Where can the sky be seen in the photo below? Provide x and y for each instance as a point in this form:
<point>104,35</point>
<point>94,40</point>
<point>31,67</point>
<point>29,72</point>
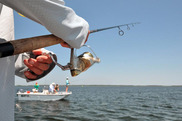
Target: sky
<point>149,53</point>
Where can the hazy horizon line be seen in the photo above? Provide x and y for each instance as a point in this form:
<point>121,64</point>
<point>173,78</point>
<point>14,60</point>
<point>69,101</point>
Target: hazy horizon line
<point>110,85</point>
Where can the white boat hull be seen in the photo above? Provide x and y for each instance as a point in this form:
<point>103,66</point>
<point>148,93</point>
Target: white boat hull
<point>42,96</point>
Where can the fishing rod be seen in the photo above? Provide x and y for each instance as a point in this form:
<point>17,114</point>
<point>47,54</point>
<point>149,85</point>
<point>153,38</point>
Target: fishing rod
<point>28,44</point>
<point>121,32</point>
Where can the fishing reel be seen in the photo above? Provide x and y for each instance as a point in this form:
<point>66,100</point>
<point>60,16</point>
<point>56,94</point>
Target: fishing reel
<point>79,63</point>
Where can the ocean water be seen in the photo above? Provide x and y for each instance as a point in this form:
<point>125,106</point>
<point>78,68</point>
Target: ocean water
<point>106,103</point>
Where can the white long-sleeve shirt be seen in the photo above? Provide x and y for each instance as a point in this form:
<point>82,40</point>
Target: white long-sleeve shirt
<point>51,88</point>
<point>60,20</point>
<point>7,69</point>
<point>57,18</point>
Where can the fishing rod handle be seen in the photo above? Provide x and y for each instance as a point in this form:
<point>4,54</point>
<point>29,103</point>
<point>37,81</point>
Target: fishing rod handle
<point>28,44</point>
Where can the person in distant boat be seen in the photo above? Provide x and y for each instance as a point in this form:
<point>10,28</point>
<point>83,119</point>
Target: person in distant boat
<point>52,88</point>
<point>36,86</point>
<point>67,83</point>
<point>57,88</point>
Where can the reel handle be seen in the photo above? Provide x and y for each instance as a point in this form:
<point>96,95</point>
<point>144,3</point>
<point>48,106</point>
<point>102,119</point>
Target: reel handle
<point>97,60</point>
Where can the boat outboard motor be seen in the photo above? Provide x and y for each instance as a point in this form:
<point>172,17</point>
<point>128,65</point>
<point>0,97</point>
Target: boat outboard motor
<point>79,63</point>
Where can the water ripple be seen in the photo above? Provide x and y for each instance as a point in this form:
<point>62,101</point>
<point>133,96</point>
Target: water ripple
<point>107,103</point>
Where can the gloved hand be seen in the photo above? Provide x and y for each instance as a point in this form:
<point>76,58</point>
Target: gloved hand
<point>38,65</point>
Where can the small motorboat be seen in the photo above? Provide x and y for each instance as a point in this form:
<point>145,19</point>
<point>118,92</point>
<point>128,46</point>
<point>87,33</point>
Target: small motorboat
<point>45,95</point>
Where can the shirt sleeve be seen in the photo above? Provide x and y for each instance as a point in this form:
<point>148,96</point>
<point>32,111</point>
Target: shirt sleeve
<point>59,19</point>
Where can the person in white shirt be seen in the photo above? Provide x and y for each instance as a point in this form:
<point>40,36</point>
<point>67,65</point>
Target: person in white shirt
<point>52,88</point>
<point>60,20</point>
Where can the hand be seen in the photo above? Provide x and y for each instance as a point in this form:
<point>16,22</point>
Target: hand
<point>87,36</point>
<point>38,65</point>
<point>64,44</point>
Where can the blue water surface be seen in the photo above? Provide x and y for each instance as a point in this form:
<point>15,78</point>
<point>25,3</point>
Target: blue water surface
<point>106,103</point>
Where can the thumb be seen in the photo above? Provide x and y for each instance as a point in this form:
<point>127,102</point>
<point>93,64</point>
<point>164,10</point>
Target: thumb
<point>64,44</point>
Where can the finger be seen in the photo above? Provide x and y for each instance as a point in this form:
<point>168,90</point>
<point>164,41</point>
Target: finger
<point>32,68</point>
<point>37,52</point>
<point>44,59</point>
<point>87,36</point>
<point>29,75</point>
<point>36,70</point>
<point>37,64</point>
<point>27,63</point>
<point>64,44</point>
